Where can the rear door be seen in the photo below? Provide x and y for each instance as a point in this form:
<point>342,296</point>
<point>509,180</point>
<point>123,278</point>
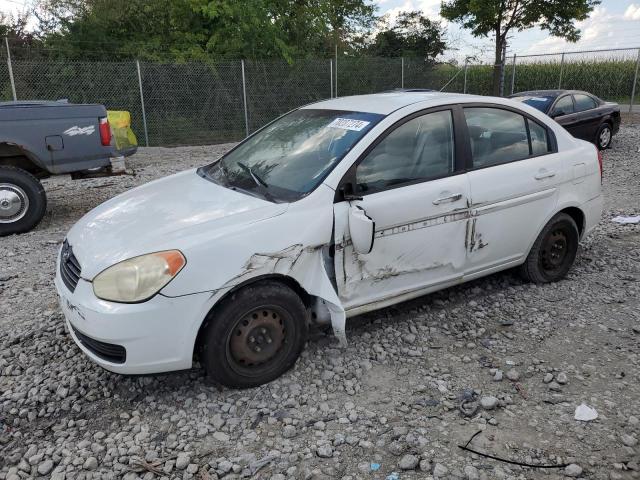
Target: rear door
<point>564,112</point>
<point>513,177</point>
<point>588,116</point>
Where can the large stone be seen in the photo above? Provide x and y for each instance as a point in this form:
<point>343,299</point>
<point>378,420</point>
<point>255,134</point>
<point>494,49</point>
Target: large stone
<point>489,402</point>
<point>45,467</point>
<point>573,470</point>
<point>408,462</point>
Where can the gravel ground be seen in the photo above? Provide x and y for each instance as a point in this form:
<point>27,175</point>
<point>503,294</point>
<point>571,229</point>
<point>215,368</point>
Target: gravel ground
<point>497,356</point>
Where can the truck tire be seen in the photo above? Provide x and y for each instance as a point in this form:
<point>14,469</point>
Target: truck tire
<point>23,201</point>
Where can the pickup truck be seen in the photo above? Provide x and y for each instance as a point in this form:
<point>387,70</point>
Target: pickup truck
<point>43,138</point>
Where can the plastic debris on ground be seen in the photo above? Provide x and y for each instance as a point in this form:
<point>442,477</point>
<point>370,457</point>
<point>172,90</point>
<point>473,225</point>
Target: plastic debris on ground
<point>585,413</point>
<point>375,467</point>
<point>626,220</point>
<point>393,476</point>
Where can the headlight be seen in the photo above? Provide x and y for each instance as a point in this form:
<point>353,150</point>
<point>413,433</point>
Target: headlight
<point>139,278</point>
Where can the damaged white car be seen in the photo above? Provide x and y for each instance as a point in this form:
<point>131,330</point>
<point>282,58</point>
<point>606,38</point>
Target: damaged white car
<point>335,209</point>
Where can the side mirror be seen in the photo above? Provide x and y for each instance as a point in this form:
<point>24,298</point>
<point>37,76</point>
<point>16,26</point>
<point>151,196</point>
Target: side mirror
<point>362,229</point>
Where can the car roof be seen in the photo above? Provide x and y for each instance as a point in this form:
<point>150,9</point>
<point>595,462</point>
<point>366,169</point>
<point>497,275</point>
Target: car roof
<point>385,103</point>
<point>548,93</point>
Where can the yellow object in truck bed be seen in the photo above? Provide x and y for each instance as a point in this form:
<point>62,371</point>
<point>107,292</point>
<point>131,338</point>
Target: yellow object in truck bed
<point>125,140</point>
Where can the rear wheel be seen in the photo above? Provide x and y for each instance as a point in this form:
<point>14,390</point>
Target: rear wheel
<point>23,201</point>
<point>553,252</point>
<point>255,335</point>
<point>604,136</point>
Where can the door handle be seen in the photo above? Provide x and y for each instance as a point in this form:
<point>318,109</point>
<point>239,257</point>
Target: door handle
<point>542,174</point>
<point>451,198</point>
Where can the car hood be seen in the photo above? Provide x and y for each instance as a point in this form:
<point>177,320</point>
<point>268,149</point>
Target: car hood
<point>170,213</point>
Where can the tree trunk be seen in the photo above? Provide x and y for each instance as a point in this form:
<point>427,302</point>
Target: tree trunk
<point>497,65</point>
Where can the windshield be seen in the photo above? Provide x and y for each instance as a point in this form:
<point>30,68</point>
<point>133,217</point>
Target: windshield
<point>542,103</point>
<point>289,158</point>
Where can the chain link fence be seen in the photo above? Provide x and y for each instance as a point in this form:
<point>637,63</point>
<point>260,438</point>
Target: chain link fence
<point>212,102</point>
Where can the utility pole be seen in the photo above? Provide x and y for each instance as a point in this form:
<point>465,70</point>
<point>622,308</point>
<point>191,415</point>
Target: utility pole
<point>13,83</point>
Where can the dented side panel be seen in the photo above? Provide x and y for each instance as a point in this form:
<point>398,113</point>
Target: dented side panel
<point>416,243</point>
<point>508,208</point>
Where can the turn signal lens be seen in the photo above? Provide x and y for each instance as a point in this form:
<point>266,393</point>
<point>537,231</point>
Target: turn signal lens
<point>600,163</point>
<point>139,278</point>
<point>105,131</point>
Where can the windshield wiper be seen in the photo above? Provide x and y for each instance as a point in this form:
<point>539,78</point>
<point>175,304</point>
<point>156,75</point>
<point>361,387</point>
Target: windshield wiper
<point>260,182</point>
<point>255,177</point>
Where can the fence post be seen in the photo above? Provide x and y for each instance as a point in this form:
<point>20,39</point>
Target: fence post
<point>513,74</point>
<point>466,64</point>
<point>244,99</point>
<point>336,95</point>
<point>503,68</point>
<point>13,83</point>
<point>401,72</point>
<point>635,81</point>
<point>144,113</point>
<point>561,68</point>
<point>331,77</point>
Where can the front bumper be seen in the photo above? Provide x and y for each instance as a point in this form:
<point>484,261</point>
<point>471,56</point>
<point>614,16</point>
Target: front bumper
<point>157,335</point>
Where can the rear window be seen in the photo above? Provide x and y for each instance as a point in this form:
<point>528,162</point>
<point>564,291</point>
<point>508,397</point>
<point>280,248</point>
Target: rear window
<point>542,103</point>
<point>584,102</point>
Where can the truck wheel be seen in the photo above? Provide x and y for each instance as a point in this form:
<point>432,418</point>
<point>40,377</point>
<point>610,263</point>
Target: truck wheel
<point>23,201</point>
<point>255,335</point>
<point>553,252</point>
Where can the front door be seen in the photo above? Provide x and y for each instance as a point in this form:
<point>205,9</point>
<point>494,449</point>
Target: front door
<point>411,186</point>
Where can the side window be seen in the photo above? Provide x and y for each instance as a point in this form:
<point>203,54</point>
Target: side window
<point>421,148</point>
<point>539,140</point>
<point>497,136</point>
<point>564,106</point>
<point>584,102</point>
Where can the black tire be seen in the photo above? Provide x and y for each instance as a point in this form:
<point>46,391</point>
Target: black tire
<point>23,201</point>
<point>236,328</point>
<point>604,136</point>
<point>553,252</point>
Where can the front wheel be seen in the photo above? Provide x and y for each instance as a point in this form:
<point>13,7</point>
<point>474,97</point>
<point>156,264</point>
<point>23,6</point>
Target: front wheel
<point>553,252</point>
<point>604,136</point>
<point>255,335</point>
<point>23,201</point>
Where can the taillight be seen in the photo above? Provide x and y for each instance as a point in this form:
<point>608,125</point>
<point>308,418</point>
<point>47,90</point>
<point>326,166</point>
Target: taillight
<point>105,131</point>
<point>600,162</point>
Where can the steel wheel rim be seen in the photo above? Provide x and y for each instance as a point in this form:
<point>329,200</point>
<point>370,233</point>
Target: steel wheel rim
<point>555,250</point>
<point>257,340</point>
<point>14,203</point>
<point>605,137</point>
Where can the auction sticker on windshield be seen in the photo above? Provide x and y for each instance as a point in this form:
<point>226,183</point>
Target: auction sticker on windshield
<point>349,124</point>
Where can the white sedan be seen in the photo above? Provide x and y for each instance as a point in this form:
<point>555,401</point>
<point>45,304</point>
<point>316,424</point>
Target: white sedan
<point>332,210</point>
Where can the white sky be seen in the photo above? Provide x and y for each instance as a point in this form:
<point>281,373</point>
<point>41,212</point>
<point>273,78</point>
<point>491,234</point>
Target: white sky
<point>613,24</point>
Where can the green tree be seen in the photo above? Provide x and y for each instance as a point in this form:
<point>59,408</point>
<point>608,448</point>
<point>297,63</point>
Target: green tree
<point>346,21</point>
<point>114,29</point>
<point>501,17</point>
<point>195,29</point>
<point>411,35</point>
<point>15,28</point>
